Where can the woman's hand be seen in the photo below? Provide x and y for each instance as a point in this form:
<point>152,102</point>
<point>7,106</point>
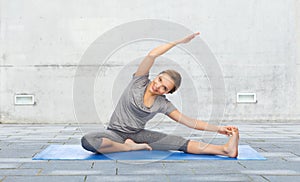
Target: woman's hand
<point>188,38</point>
<point>226,130</point>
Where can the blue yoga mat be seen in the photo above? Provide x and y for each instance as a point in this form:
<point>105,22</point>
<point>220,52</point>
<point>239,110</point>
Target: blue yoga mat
<point>76,152</point>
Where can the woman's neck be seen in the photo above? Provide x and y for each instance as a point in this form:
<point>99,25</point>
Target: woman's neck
<point>149,97</point>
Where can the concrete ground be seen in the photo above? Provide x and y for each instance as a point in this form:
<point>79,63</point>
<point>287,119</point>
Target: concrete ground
<point>278,142</point>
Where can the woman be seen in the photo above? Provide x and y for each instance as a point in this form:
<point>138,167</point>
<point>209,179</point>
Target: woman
<point>140,101</point>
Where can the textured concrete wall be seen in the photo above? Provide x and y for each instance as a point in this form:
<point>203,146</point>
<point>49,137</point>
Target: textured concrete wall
<point>257,44</point>
<point>297,52</point>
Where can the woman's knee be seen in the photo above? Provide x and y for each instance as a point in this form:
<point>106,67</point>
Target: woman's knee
<point>91,144</point>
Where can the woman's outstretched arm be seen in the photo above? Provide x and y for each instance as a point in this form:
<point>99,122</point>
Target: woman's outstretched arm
<point>200,125</point>
<point>148,61</point>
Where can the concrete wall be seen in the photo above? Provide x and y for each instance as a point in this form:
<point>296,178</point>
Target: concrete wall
<point>297,59</point>
<point>257,44</point>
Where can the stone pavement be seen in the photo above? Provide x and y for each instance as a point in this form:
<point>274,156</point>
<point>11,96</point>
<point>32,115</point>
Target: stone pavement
<point>277,141</point>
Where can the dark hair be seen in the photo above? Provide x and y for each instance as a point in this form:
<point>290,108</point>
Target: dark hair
<point>176,77</point>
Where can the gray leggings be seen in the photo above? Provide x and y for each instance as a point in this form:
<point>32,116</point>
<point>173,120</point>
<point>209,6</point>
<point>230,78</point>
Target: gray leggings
<point>157,140</point>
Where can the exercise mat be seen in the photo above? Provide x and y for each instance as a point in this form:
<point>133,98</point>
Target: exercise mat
<point>76,152</point>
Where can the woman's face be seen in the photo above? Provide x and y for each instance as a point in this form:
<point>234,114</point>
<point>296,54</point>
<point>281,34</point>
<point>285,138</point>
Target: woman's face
<point>162,84</point>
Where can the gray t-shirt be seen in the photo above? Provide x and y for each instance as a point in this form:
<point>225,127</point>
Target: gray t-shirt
<point>130,114</point>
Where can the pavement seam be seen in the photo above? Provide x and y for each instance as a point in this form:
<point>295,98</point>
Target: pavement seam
<point>39,172</point>
<point>295,154</point>
<point>242,165</point>
<point>1,180</point>
<point>168,178</point>
<point>117,170</point>
<point>265,178</point>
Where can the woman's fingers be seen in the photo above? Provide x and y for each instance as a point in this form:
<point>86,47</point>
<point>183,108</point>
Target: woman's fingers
<point>196,34</point>
<point>193,35</point>
<point>189,38</point>
<point>228,130</point>
<point>232,129</point>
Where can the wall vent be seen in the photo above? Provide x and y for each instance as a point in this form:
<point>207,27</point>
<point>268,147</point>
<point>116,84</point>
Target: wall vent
<point>24,99</point>
<point>246,98</point>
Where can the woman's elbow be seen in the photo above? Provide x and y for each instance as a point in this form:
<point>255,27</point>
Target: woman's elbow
<point>152,55</point>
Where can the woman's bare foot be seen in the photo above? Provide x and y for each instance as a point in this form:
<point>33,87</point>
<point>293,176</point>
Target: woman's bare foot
<point>137,146</point>
<point>231,147</point>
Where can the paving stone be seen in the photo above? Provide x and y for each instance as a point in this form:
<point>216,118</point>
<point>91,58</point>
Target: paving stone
<point>44,178</point>
<point>140,163</point>
<point>57,165</point>
<point>142,169</point>
<point>283,172</point>
<point>293,159</point>
<point>66,137</point>
<point>81,172</point>
<point>26,146</point>
<point>4,144</point>
<point>32,138</point>
<point>19,160</point>
<point>271,164</point>
<point>18,172</point>
<point>99,165</point>
<point>273,149</point>
<point>73,168</point>
<point>210,177</point>
<point>19,153</point>
<point>277,154</point>
<point>283,178</point>
<point>203,167</point>
<point>74,141</point>
<point>9,165</point>
<point>129,178</point>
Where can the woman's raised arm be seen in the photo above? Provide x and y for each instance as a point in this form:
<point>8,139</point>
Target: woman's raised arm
<point>148,61</point>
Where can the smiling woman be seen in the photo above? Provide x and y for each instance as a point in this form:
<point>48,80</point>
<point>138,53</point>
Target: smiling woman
<point>162,84</point>
<point>140,102</point>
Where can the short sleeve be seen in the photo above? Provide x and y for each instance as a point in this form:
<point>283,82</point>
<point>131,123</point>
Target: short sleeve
<point>168,107</point>
<point>140,80</point>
